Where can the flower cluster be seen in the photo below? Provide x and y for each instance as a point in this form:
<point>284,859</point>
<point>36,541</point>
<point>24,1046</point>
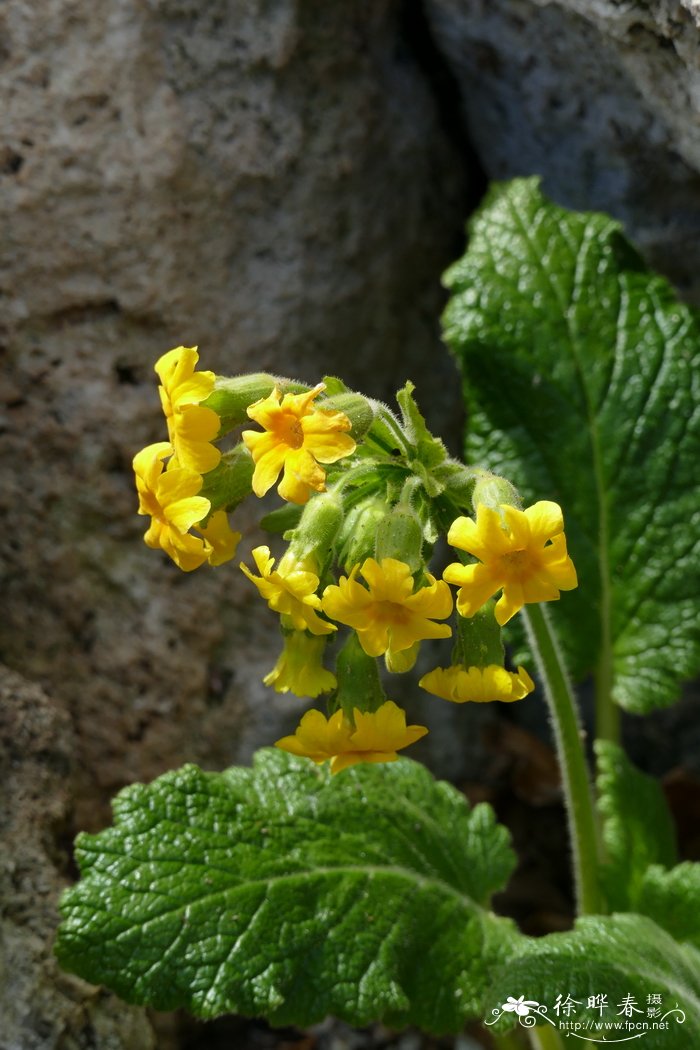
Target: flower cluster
<point>368,495</point>
<point>169,474</point>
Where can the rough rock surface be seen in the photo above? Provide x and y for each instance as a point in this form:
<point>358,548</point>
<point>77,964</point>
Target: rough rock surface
<point>601,97</point>
<point>281,184</point>
<point>272,182</point>
<point>39,1005</point>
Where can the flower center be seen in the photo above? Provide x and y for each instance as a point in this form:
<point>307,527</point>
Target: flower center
<point>392,613</point>
<point>289,430</point>
<point>515,563</point>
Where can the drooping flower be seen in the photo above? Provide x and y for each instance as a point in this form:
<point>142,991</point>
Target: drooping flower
<point>522,553</point>
<point>220,537</point>
<point>289,590</point>
<point>388,615</point>
<point>296,437</point>
<point>478,684</point>
<point>191,426</point>
<point>376,736</point>
<point>300,669</point>
<point>170,497</point>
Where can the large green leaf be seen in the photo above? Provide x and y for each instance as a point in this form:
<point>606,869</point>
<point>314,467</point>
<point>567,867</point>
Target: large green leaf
<point>637,826</point>
<point>672,899</point>
<point>285,892</point>
<point>582,380</point>
<point>621,957</point>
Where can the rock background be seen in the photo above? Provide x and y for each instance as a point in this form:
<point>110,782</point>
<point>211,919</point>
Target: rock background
<point>282,184</point>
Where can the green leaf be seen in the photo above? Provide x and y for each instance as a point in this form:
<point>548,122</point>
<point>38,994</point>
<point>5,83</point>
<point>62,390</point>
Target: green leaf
<point>285,892</point>
<point>582,381</point>
<point>282,519</point>
<point>616,956</point>
<point>672,899</point>
<point>430,450</point>
<point>637,826</point>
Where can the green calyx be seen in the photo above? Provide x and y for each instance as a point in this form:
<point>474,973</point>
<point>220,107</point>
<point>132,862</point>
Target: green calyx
<point>493,491</point>
<point>232,397</point>
<point>359,410</point>
<point>478,639</point>
<point>320,522</point>
<point>230,481</point>
<point>399,535</point>
<point>356,540</point>
<point>359,685</point>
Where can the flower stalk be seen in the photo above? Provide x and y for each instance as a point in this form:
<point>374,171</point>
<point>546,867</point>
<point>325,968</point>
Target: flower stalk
<point>568,735</point>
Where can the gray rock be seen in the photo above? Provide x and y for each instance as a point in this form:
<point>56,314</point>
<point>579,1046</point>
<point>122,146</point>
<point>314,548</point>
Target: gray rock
<point>600,97</point>
<point>271,182</point>
<point>41,1007</point>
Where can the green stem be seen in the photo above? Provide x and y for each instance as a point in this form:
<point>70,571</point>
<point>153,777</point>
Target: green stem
<point>607,713</point>
<point>568,737</point>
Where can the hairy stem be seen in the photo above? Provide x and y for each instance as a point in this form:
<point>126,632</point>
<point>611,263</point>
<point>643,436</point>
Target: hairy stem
<point>578,795</point>
<point>607,713</point>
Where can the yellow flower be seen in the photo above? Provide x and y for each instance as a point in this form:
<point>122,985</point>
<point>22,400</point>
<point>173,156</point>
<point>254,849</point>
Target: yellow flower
<point>296,437</point>
<point>375,737</point>
<point>191,426</point>
<point>389,617</point>
<point>170,497</point>
<point>290,590</point>
<point>480,684</point>
<point>523,553</point>
<point>220,538</point>
<point>299,669</point>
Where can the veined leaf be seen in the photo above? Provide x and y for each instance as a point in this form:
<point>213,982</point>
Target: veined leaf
<point>582,381</point>
<point>622,957</point>
<point>284,892</point>
<point>637,827</point>
<point>671,898</point>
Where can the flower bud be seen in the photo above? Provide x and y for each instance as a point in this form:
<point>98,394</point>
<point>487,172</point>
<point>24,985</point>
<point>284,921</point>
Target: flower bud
<point>320,522</point>
<point>299,669</point>
<point>492,491</point>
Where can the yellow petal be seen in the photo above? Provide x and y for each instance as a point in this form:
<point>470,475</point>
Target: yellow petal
<point>184,513</point>
<point>176,484</point>
<point>390,581</point>
<point>545,519</point>
<point>267,467</point>
<point>476,684</point>
<point>177,365</point>
<point>301,474</point>
<point>479,583</point>
<point>485,538</point>
<point>434,601</point>
<point>220,537</point>
<point>265,411</point>
<point>510,602</point>
<point>518,526</point>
